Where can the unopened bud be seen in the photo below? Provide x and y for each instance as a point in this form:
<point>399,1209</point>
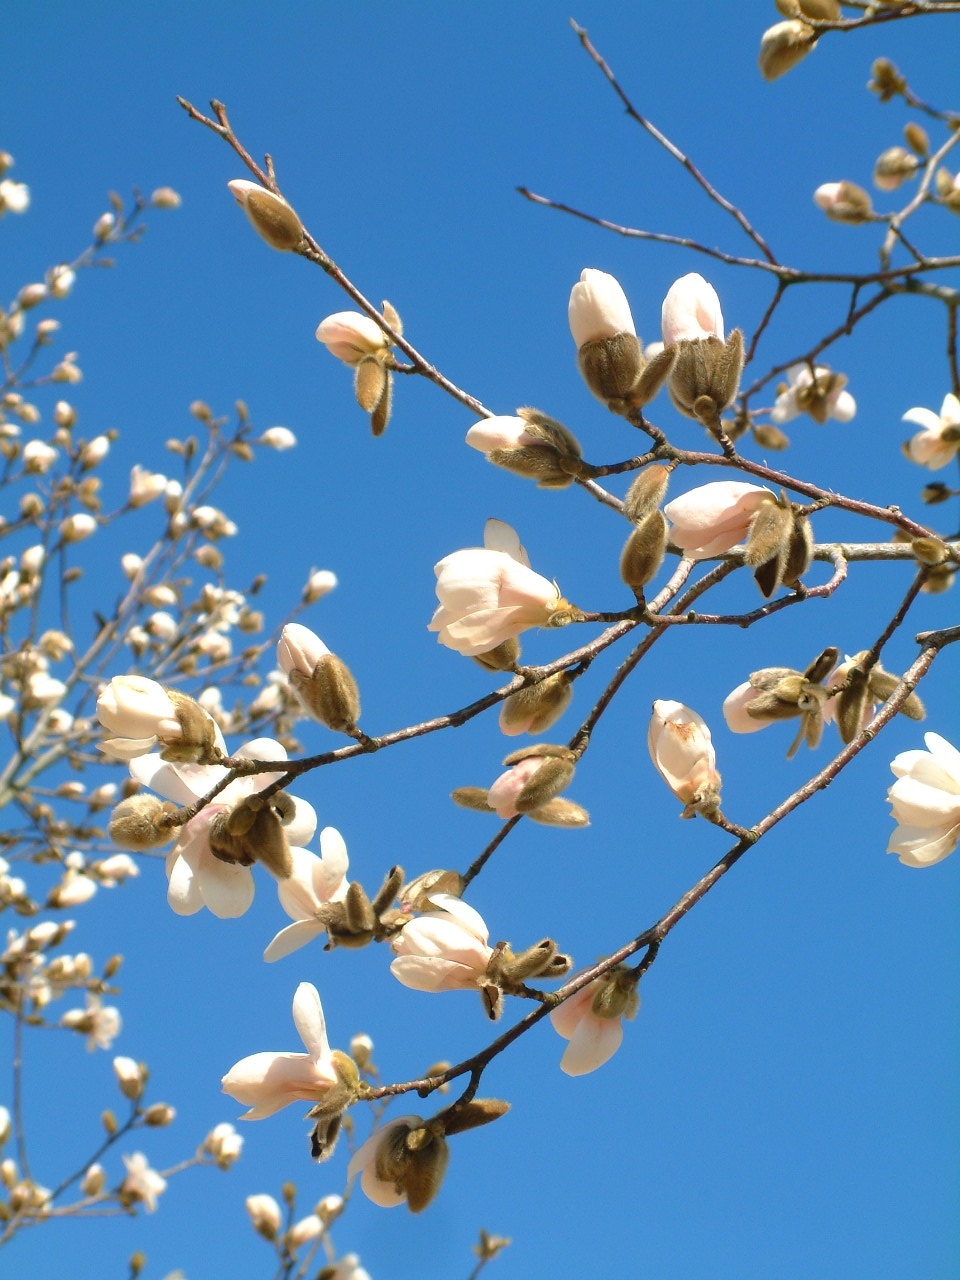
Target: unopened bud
<point>159,1115</point>
<point>537,707</point>
<point>647,492</point>
<point>503,658</point>
<point>893,167</point>
<point>273,219</point>
<point>330,694</point>
<point>929,551</point>
<point>361,1051</point>
<point>783,46</point>
<point>644,551</point>
<point>137,823</point>
<point>887,81</point>
<point>844,202</point>
<point>131,1076</point>
<point>94,1180</point>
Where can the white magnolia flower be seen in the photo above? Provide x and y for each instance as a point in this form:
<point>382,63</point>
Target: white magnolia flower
<point>223,1144</point>
<point>77,527</point>
<point>926,803</point>
<point>138,713</point>
<point>490,594</point>
<point>938,442</point>
<point>14,197</point>
<point>197,878</point>
<point>266,1082</point>
<point>682,751</point>
<point>829,400</point>
<point>38,457</point>
<point>314,881</point>
<point>265,1215</point>
<point>320,583</point>
<point>142,1185</point>
<point>444,950</point>
<point>145,486</point>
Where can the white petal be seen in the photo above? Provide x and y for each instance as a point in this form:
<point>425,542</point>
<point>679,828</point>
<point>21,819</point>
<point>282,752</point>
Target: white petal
<point>308,1015</point>
<point>292,938</point>
<point>594,1042</point>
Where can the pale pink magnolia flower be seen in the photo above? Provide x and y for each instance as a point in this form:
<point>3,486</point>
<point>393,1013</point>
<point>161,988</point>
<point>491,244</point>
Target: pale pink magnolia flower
<point>490,594</point>
<point>938,442</point>
<point>142,1183</point>
<point>364,1162</point>
<point>714,517</point>
<point>682,751</point>
<point>196,877</point>
<point>500,432</point>
<point>313,882</point>
<point>839,403</point>
<point>926,803</point>
<point>137,713</point>
<point>691,310</point>
<point>593,1040</point>
<point>598,308</point>
<point>444,950</point>
<point>351,335</point>
<point>267,1082</point>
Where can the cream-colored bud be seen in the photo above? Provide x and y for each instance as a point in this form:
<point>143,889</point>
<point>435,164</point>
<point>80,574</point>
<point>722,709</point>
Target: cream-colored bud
<point>361,1051</point>
<point>94,451</point>
<point>273,219</point>
<point>166,198</point>
<point>77,527</point>
<point>329,1208</point>
<point>31,295</point>
<point>768,436</point>
<point>894,166</point>
<point>783,46</point>
<point>159,1115</point>
<point>917,138</point>
<point>104,225</point>
<point>131,1076</point>
<point>265,1215</point>
<point>844,202</point>
<point>93,1181</point>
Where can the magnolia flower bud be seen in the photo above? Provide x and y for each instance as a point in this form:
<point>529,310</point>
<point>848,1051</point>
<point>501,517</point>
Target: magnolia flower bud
<point>145,486</point>
<point>647,492</point>
<point>361,1050</point>
<point>131,1076</point>
<point>610,356</point>
<point>783,46</point>
<point>844,202</point>
<point>682,750</point>
<point>166,198</point>
<point>94,451</point>
<point>94,1180</point>
<point>530,444</point>
<point>77,527</point>
<point>265,1215</point>
<point>320,583</point>
<point>273,219</point>
<point>691,310</point>
<point>351,335</point>
<point>643,553</point>
<point>535,776</point>
<point>894,166</point>
<point>323,682</point>
<point>279,438</point>
<point>537,707</point>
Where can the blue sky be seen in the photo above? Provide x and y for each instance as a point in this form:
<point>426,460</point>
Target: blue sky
<point>785,1103</point>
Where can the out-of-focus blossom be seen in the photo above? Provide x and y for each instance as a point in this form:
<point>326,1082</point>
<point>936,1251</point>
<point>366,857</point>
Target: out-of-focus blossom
<point>142,1185</point>
<point>197,878</point>
<point>94,451</point>
<point>41,689</point>
<point>38,457</point>
<point>314,882</point>
<point>348,1268</point>
<point>444,950</point>
<point>166,198</point>
<point>714,517</point>
<point>14,197</point>
<point>691,310</point>
<point>223,1145</point>
<point>60,280</point>
<point>381,1190</point>
<point>598,308</point>
<point>266,1082</point>
<point>99,1022</point>
<point>682,751</point>
<point>265,1215</point>
<point>937,444</point>
<point>844,201</point>
<point>73,890</point>
<point>145,486</point>
<point>303,1231</point>
<point>784,45</point>
<point>77,527</point>
<point>94,1180</point>
<point>279,438</point>
<point>320,583</point>
<point>926,803</point>
<point>822,397</point>
<point>351,335</point>
<point>131,565</point>
<point>592,1020</point>
<point>116,869</point>
<point>488,595</point>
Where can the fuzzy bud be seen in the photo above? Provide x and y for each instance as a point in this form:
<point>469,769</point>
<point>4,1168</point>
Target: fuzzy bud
<point>323,682</point>
<point>503,658</point>
<point>894,166</point>
<point>783,46</point>
<point>131,1076</point>
<point>136,823</point>
<point>273,219</point>
<point>644,551</point>
<point>537,707</point>
<point>844,202</point>
<point>647,492</point>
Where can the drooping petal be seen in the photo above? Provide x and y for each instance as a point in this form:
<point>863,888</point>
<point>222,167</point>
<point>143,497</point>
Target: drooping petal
<point>292,938</point>
<point>593,1043</point>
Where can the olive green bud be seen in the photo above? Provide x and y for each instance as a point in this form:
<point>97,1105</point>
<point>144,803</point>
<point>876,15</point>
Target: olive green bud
<point>416,895</point>
<point>612,366</point>
<point>471,1115</point>
<point>537,707</point>
<point>887,81</point>
<point>917,138</point>
<point>503,658</point>
<point>768,436</point>
<point>894,166</point>
<point>616,994</point>
<point>137,823</point>
<point>561,812</point>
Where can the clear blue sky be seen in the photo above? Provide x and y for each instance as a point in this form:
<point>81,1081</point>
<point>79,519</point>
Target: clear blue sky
<point>785,1104</point>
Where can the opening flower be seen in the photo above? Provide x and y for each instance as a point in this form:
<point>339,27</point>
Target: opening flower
<point>926,803</point>
<point>351,335</point>
<point>598,308</point>
<point>314,882</point>
<point>444,950</point>
<point>197,878</point>
<point>490,594</point>
<point>267,1082</point>
<point>682,751</point>
<point>142,1185</point>
<point>138,713</point>
<point>714,517</point>
<point>820,393</point>
<point>691,310</point>
<point>592,1020</point>
<point>937,444</point>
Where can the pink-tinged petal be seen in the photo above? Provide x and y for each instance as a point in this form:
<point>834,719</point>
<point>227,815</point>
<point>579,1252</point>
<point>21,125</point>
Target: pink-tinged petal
<point>691,310</point>
<point>566,1017</point>
<point>266,1082</point>
<point>433,973</point>
<point>310,1022</point>
<point>292,938</point>
<point>500,536</point>
<point>126,749</point>
<point>439,934</point>
<point>483,630</point>
<point>503,794</point>
<point>735,710</point>
<point>594,1042</point>
<point>471,919</point>
<point>598,308</point>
